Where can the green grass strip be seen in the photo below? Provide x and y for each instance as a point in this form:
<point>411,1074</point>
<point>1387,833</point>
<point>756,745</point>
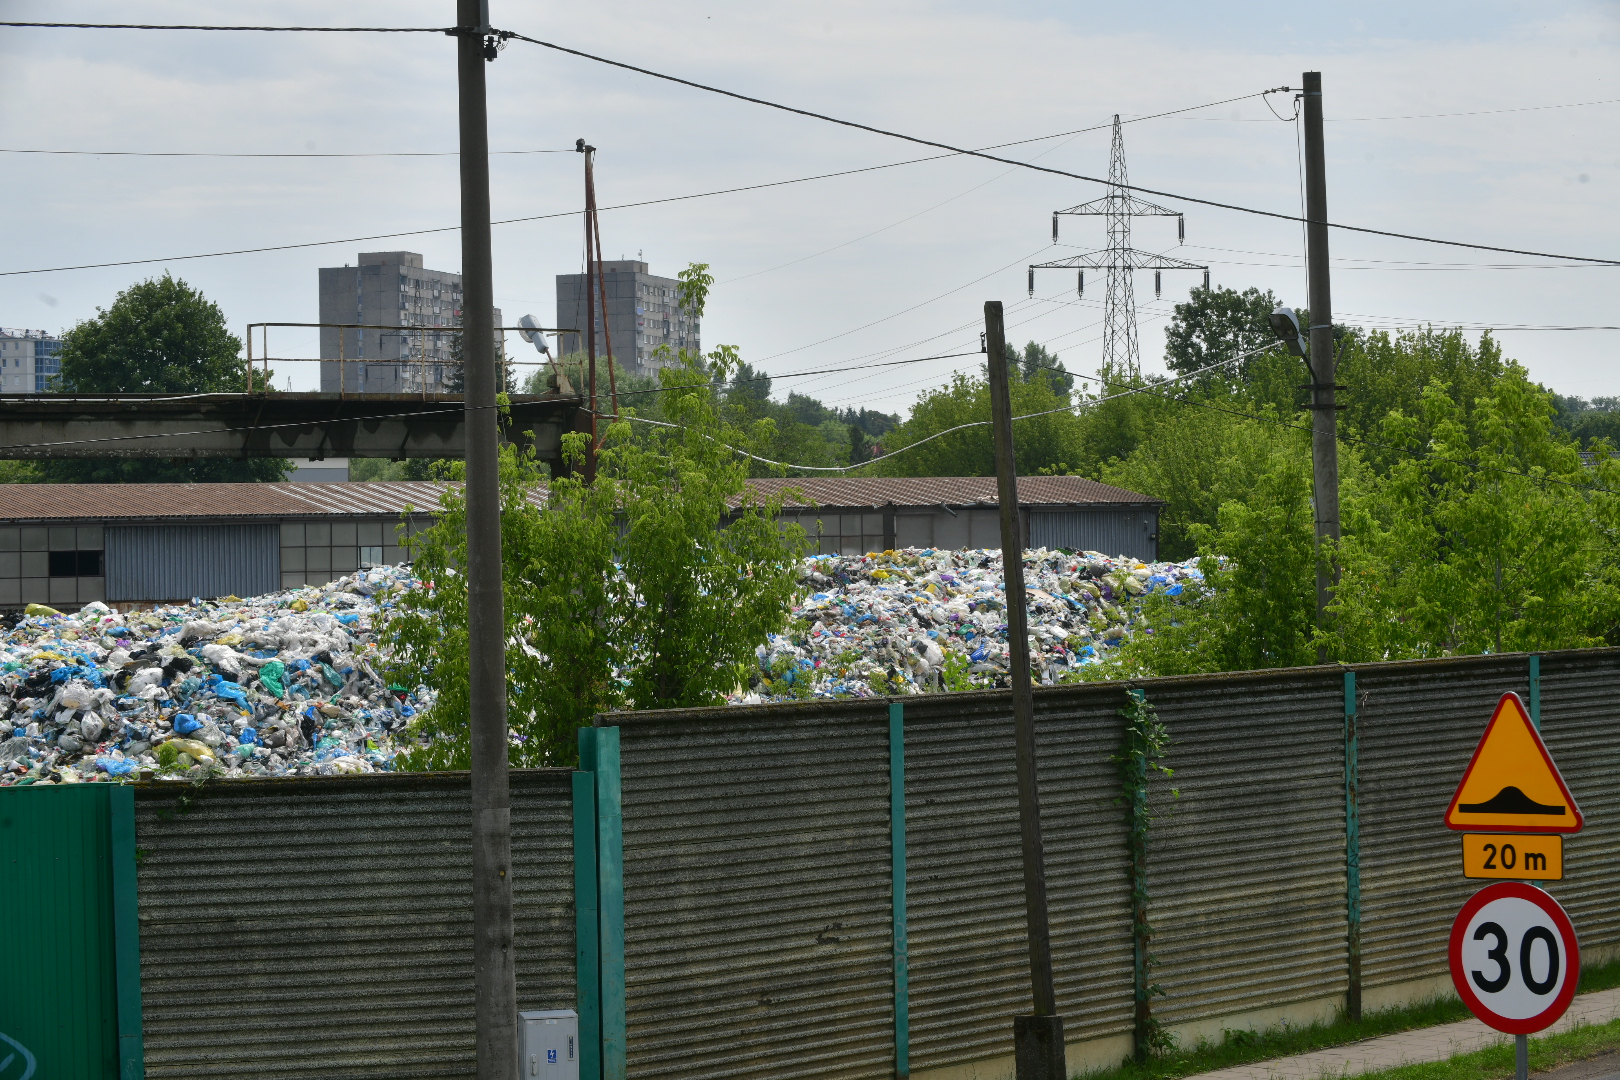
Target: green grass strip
<point>1497,1062</point>
<point>1243,1047</point>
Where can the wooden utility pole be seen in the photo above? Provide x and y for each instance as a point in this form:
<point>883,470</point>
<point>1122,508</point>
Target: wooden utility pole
<point>1037,1039</point>
<point>592,272</point>
<point>494,973</point>
<point>1324,364</point>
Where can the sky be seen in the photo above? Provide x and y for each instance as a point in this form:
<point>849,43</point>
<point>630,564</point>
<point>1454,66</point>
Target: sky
<point>1486,122</point>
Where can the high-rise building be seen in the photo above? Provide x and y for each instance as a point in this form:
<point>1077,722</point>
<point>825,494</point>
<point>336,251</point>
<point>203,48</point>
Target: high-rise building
<point>28,361</point>
<point>389,289</point>
<point>642,314</point>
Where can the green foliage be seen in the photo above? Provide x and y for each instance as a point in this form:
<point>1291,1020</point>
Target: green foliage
<point>1141,754</point>
<point>1215,325</point>
<point>1488,536</point>
<point>1257,605</point>
<point>160,336</point>
<point>648,589</point>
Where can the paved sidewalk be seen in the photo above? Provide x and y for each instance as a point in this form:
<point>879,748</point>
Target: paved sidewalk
<point>1604,1067</point>
<point>1424,1044</point>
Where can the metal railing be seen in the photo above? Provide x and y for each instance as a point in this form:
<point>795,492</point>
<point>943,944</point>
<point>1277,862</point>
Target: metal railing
<point>422,363</point>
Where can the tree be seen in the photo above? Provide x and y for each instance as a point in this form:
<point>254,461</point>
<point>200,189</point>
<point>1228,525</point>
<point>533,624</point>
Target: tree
<point>160,336</point>
<point>1490,540</point>
<point>649,588</point>
<point>1048,441</point>
<point>1217,324</point>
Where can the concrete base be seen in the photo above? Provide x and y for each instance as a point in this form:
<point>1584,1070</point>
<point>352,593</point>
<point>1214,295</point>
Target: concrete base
<point>1038,1048</point>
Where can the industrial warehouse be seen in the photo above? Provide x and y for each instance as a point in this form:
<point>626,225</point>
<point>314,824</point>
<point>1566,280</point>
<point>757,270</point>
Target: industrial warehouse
<point>139,544</point>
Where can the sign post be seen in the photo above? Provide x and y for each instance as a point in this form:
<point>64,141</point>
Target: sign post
<point>1514,957</point>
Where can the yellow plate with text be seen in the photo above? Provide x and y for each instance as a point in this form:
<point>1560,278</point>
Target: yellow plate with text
<point>1519,856</point>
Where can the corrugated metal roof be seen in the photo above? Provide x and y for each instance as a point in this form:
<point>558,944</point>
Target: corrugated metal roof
<point>217,502</point>
<point>159,502</point>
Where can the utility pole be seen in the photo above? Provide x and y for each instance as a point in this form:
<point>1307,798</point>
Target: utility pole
<point>592,272</point>
<point>494,974</point>
<point>1037,1039</point>
<point>1324,364</point>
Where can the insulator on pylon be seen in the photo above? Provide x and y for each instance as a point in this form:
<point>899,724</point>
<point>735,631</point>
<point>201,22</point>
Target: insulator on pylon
<point>1181,229</point>
<point>1032,281</point>
<point>1082,289</point>
<point>1157,285</point>
<point>1054,228</point>
<point>1206,280</point>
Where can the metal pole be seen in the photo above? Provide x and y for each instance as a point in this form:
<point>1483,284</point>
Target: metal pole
<point>494,975</point>
<point>1521,1057</point>
<point>1037,1039</point>
<point>1324,365</point>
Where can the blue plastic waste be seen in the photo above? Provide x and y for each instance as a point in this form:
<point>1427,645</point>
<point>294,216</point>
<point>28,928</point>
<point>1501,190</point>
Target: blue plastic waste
<point>185,724</point>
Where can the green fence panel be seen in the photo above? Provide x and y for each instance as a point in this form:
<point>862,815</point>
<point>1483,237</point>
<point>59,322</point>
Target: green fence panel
<point>59,1001</point>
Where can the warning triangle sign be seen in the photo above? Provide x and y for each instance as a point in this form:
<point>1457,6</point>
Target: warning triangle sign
<point>1511,784</point>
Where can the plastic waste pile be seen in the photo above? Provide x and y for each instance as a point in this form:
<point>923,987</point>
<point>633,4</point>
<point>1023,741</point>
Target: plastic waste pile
<point>282,684</point>
<point>922,620</point>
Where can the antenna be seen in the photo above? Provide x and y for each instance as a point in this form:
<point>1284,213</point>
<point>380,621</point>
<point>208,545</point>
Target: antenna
<point>1120,351</point>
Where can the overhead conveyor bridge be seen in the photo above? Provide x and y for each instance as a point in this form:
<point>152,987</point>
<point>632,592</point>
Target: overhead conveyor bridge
<point>269,425</point>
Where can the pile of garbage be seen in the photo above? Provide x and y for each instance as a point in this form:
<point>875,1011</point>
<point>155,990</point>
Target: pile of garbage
<point>922,621</point>
<point>282,684</point>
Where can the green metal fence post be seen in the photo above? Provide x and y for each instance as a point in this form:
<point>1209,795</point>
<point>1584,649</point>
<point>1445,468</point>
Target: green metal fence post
<point>897,858</point>
<point>1535,692</point>
<point>1352,850</point>
<point>610,901</point>
<point>587,931</point>
<point>126,932</point>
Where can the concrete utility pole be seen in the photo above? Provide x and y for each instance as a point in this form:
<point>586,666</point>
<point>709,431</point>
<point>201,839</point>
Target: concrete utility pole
<point>1037,1039</point>
<point>1324,364</point>
<point>494,975</point>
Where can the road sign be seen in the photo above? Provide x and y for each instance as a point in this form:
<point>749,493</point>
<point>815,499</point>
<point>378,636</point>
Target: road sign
<point>1511,783</point>
<point>1520,856</point>
<point>1514,958</point>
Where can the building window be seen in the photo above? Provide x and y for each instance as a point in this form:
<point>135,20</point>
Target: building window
<point>75,564</point>
<point>371,556</point>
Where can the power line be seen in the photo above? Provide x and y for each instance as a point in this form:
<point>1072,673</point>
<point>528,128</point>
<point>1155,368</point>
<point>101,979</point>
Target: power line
<point>211,154</point>
<point>1038,168</point>
<point>566,213</point>
<point>256,29</point>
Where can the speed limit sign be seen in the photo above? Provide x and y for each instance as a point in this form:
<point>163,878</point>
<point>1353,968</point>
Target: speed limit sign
<point>1514,959</point>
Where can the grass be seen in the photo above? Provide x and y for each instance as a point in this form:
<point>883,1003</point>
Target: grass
<point>1497,1062</point>
<point>1242,1047</point>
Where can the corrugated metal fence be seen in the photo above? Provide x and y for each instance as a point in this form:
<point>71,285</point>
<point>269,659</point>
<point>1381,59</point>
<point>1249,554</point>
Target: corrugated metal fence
<point>323,927</point>
<point>757,861</point>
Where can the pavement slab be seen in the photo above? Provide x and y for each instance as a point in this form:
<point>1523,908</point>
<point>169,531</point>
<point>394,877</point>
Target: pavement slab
<point>1430,1044</point>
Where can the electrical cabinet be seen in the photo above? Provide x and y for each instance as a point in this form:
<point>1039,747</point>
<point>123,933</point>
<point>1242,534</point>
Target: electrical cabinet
<point>548,1044</point>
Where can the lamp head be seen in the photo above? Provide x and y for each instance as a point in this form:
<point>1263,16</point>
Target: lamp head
<point>1285,324</point>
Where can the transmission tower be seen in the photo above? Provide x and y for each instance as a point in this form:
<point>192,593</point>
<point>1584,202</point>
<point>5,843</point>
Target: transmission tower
<point>1121,355</point>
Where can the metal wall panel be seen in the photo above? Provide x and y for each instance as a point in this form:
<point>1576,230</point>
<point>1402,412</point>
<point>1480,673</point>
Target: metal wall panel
<point>757,892</point>
<point>176,562</point>
<point>1132,533</point>
<point>1418,724</point>
<point>965,898</point>
<point>322,927</point>
<point>1580,723</point>
<point>1246,868</point>
<point>59,997</point>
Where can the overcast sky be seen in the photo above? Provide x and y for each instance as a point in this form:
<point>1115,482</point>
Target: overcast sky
<point>884,265</point>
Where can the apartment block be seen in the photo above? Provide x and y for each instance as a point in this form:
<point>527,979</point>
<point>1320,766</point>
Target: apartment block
<point>413,351</point>
<point>29,359</point>
<point>642,314</point>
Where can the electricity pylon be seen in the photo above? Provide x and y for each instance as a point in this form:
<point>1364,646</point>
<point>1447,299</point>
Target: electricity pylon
<point>1121,355</point>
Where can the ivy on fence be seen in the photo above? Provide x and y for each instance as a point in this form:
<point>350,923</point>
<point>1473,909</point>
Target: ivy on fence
<point>1141,755</point>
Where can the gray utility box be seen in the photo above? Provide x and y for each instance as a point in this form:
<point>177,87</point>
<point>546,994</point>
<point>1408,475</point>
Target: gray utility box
<point>548,1042</point>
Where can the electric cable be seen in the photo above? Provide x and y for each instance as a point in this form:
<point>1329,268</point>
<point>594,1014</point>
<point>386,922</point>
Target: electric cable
<point>211,154</point>
<point>1038,168</point>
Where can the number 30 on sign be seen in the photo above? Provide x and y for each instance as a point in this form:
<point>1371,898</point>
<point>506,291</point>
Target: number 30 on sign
<point>1514,958</point>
